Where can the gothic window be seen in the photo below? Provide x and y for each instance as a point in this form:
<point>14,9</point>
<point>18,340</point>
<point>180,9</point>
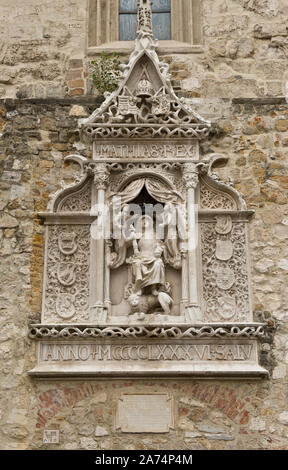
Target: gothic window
<point>112,25</point>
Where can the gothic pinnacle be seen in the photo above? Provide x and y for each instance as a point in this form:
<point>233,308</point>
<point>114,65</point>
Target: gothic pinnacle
<point>144,18</point>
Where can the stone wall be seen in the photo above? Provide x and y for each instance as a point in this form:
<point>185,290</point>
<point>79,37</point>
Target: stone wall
<point>43,50</point>
<point>237,81</point>
<point>35,137</point>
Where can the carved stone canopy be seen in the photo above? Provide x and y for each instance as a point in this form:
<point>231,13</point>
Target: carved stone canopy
<point>144,105</point>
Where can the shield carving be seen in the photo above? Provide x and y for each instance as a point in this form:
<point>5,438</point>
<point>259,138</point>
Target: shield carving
<point>224,250</point>
<point>225,278</point>
<point>67,243</point>
<point>65,305</point>
<point>66,274</point>
<point>224,224</point>
<point>227,306</point>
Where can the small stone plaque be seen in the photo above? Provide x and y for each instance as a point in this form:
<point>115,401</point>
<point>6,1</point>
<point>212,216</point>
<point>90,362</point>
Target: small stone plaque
<point>51,436</point>
<point>141,413</point>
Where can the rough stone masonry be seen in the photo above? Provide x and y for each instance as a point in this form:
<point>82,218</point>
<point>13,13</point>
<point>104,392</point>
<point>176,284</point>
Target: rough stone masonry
<point>239,81</point>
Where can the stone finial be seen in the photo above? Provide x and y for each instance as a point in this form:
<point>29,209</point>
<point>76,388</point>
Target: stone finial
<point>144,18</point>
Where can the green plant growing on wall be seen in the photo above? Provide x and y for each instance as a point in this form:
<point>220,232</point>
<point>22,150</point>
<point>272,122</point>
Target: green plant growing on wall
<point>106,72</point>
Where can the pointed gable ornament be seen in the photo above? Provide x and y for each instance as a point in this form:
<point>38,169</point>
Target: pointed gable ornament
<point>144,104</point>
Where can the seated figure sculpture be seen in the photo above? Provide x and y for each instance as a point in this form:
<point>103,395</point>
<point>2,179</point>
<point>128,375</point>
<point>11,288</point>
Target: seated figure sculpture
<point>148,270</point>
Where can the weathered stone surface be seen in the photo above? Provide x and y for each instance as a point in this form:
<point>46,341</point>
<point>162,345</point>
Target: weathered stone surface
<point>245,38</point>
<point>86,430</point>
<point>266,31</point>
<point>211,429</point>
<point>78,111</point>
<point>88,443</point>
<point>100,431</point>
<point>264,265</point>
<point>282,125</point>
<point>7,221</point>
<point>283,418</point>
<point>262,7</point>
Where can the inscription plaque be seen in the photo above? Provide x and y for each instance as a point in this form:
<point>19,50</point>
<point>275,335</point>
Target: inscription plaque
<point>139,413</point>
<point>147,150</point>
<point>91,352</point>
<point>160,357</point>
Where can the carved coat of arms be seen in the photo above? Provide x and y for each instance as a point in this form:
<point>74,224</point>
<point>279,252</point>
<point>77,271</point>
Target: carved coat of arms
<point>66,274</point>
<point>65,305</point>
<point>224,250</point>
<point>224,224</point>
<point>67,243</point>
<point>225,278</point>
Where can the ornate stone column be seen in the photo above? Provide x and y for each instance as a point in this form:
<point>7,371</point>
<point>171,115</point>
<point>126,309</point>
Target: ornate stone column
<point>191,180</point>
<point>98,272</point>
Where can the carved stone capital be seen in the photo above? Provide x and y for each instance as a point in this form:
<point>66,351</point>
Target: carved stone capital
<point>190,175</point>
<point>100,172</point>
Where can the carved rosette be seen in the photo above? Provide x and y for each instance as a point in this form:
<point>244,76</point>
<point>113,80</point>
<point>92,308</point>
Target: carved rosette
<point>190,175</point>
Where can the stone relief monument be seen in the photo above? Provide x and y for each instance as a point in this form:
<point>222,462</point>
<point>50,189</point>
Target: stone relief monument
<point>146,265</point>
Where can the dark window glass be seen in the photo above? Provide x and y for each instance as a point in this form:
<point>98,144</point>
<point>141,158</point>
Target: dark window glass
<point>128,19</point>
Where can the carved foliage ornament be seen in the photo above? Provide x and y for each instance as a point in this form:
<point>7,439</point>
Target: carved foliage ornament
<point>67,273</point>
<point>205,331</point>
<point>225,273</point>
<point>77,201</point>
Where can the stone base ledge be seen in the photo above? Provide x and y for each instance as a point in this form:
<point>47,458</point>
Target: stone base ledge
<point>197,371</point>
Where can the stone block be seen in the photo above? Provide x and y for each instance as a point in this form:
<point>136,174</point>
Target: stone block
<point>7,221</point>
<point>74,74</point>
<point>268,30</point>
<point>283,418</point>
<point>101,431</point>
<point>211,428</point>
<point>86,430</point>
<point>76,92</point>
<point>11,176</point>
<point>48,124</point>
<point>282,125</point>
<point>257,424</point>
<point>88,443</point>
<point>76,83</point>
<point>78,111</point>
<point>75,64</point>
<point>220,437</point>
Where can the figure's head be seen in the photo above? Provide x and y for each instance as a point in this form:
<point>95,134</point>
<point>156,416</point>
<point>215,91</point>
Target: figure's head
<point>158,251</point>
<point>133,300</point>
<point>145,225</point>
